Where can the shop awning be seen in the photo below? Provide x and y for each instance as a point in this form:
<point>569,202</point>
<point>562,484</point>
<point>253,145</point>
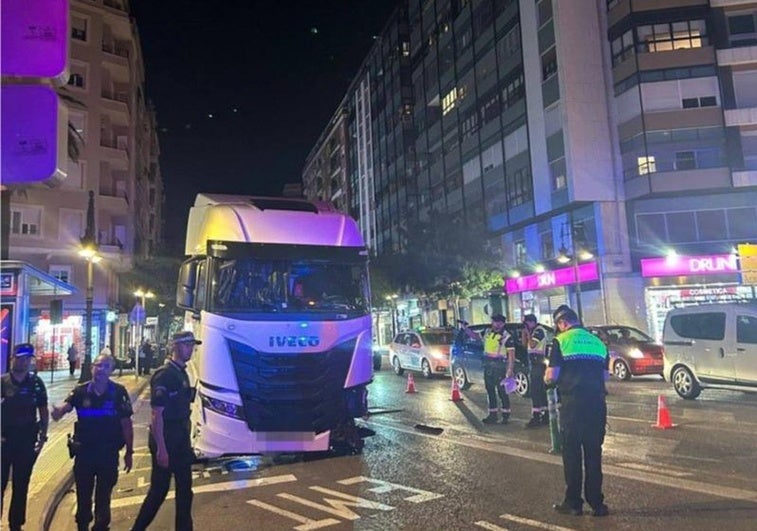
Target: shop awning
<point>38,282</point>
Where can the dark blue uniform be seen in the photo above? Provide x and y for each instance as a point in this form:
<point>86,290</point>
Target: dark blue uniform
<point>20,401</point>
<point>171,390</point>
<point>99,434</point>
<point>583,361</point>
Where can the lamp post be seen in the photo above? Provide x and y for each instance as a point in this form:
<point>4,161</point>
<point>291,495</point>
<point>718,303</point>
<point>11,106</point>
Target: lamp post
<point>143,295</point>
<point>89,253</point>
<point>393,305</point>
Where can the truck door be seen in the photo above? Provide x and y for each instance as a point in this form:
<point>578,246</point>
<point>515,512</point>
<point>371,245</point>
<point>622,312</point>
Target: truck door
<point>745,356</point>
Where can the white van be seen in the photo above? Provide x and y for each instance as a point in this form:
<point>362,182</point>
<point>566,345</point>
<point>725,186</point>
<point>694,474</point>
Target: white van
<point>711,345</point>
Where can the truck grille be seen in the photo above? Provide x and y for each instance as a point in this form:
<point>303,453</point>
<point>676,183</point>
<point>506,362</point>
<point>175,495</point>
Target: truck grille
<point>292,391</point>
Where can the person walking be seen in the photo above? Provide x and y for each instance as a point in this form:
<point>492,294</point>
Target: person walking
<point>73,357</point>
<point>24,422</point>
<point>169,440</point>
<point>579,366</point>
<point>499,359</point>
<point>535,338</point>
<point>104,426</point>
<point>149,356</point>
<point>141,366</point>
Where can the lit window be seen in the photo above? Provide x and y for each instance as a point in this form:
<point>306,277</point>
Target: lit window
<point>646,165</point>
<point>448,102</point>
<point>62,273</point>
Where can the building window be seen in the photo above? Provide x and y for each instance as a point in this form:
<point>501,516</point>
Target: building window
<point>61,272</point>
<point>646,165</point>
<point>78,77</point>
<point>448,102</point>
<point>78,28</point>
<point>544,12</point>
<point>549,64</point>
<point>513,90</point>
<point>742,29</point>
<point>622,47</point>
<point>705,101</point>
<point>547,245</point>
<point>672,36</point>
<point>76,80</point>
<point>557,171</point>
<point>26,220</point>
<point>520,251</point>
<point>519,187</point>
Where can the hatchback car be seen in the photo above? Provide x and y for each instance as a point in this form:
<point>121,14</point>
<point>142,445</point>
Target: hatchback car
<point>426,351</point>
<point>632,352</point>
<point>468,359</point>
<point>711,345</point>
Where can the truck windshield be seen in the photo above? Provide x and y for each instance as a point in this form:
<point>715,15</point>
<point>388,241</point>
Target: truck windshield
<point>289,286</point>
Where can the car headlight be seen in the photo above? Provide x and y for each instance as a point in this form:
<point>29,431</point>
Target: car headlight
<point>635,353</point>
<point>436,353</point>
<point>227,409</point>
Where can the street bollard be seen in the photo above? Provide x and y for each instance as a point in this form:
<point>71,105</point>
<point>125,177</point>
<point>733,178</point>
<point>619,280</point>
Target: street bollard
<point>554,421</point>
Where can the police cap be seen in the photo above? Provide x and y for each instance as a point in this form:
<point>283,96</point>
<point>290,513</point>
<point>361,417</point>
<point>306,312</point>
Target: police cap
<point>564,312</point>
<point>185,337</point>
<point>23,350</point>
<point>498,317</point>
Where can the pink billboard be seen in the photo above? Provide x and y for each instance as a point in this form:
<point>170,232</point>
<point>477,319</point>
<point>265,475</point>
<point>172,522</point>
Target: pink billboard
<point>673,266</point>
<point>551,279</point>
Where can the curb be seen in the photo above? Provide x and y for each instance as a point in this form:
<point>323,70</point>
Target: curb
<point>62,488</point>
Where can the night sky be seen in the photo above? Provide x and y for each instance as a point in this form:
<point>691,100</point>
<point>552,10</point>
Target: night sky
<point>269,73</point>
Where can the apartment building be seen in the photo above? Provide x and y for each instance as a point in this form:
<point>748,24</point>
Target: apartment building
<point>325,175</point>
<point>606,141</point>
<point>118,162</point>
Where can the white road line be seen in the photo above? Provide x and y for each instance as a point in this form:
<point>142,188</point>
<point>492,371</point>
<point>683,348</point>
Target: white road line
<point>213,487</point>
<point>534,523</point>
<point>489,526</point>
<point>608,470</point>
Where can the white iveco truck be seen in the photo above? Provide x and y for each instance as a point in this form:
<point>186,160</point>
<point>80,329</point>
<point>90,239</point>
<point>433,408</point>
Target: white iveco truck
<point>278,291</point>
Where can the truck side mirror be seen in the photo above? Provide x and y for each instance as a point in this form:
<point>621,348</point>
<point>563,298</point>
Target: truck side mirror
<point>185,288</point>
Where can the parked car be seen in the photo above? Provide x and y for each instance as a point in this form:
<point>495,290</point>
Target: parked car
<point>632,352</point>
<point>711,345</point>
<point>426,351</point>
<point>468,356</point>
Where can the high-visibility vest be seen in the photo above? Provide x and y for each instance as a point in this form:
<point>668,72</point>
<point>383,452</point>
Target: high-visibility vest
<point>541,345</point>
<point>494,344</point>
<point>579,343</point>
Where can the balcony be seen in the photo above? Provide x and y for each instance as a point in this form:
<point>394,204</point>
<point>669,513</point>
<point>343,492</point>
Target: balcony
<point>115,49</point>
<point>745,178</point>
<point>741,55</point>
<point>741,117</point>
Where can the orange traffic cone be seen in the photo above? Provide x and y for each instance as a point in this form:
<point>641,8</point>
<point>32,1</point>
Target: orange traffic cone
<point>410,384</point>
<point>455,392</point>
<point>663,415</point>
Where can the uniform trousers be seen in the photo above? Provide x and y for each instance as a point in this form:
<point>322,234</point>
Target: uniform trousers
<point>538,390</point>
<point>582,422</point>
<point>18,457</point>
<point>95,470</point>
<point>495,369</point>
<point>180,467</point>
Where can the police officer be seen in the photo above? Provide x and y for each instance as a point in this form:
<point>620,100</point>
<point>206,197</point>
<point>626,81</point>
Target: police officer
<point>535,338</point>
<point>24,428</point>
<point>579,365</point>
<point>170,445</point>
<point>499,358</point>
<point>104,426</point>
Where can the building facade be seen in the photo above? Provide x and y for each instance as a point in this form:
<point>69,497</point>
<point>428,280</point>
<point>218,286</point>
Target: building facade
<point>587,137</point>
<point>118,161</point>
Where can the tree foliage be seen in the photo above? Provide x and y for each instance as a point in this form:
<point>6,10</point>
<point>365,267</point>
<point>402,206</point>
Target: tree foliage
<point>442,258</point>
<point>158,275</point>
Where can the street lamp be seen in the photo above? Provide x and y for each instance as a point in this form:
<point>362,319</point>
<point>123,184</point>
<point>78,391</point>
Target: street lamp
<point>88,251</point>
<point>393,305</point>
<point>143,295</point>
<point>564,257</point>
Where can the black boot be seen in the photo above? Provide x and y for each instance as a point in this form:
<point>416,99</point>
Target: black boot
<point>545,418</point>
<point>535,421</point>
<point>505,418</point>
<point>491,419</point>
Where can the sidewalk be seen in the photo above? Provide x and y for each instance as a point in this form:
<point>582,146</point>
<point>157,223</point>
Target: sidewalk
<point>53,473</point>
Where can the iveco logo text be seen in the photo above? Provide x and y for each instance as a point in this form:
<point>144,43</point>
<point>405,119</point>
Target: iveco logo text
<point>293,341</point>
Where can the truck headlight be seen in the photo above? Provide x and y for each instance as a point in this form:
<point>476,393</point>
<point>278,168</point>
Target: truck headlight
<point>227,409</point>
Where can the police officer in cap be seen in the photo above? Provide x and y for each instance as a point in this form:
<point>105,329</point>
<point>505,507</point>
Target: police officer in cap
<point>499,360</point>
<point>104,426</point>
<point>24,428</point>
<point>170,397</point>
<point>579,366</point>
<point>535,338</point>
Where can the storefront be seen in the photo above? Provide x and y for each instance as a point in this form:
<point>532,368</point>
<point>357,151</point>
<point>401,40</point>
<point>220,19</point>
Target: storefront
<point>20,282</point>
<point>676,281</point>
<point>541,293</point>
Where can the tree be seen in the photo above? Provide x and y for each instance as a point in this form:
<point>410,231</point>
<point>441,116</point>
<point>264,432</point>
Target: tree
<point>159,275</point>
<point>443,258</point>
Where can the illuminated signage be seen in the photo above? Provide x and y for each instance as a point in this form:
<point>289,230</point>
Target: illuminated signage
<point>552,279</point>
<point>748,259</point>
<point>689,265</point>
